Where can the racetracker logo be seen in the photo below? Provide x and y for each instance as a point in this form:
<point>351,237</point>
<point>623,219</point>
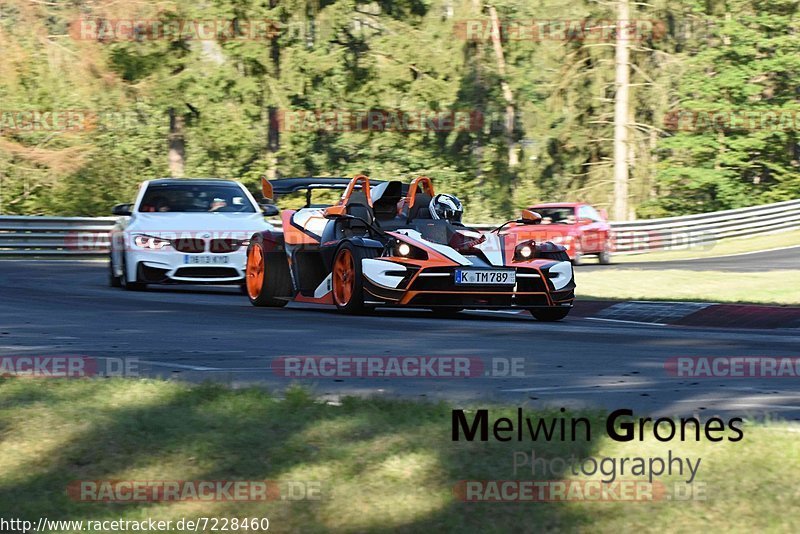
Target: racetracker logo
<point>557,491</point>
<point>733,367</point>
<point>66,366</point>
<point>396,367</point>
<point>216,241</point>
<point>771,120</point>
<point>53,120</point>
<point>583,30</point>
<point>380,121</point>
<point>193,490</point>
<point>116,30</point>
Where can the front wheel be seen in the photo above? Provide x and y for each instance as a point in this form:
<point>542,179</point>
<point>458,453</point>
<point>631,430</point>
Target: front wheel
<point>550,314</point>
<point>347,277</point>
<point>605,256</point>
<point>267,277</point>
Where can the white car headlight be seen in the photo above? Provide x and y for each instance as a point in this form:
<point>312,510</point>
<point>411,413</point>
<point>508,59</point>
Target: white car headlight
<point>150,242</point>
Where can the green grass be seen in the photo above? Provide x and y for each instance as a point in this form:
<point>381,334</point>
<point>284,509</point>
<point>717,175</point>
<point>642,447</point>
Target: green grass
<point>722,248</point>
<point>384,465</point>
<point>769,287</point>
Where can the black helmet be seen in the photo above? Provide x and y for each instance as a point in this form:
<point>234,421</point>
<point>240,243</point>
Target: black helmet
<point>446,207</point>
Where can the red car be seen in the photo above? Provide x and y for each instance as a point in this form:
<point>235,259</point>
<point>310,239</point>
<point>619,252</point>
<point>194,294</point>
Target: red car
<point>579,227</point>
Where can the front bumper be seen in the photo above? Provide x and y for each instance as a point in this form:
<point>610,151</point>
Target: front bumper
<point>170,266</point>
<point>540,284</point>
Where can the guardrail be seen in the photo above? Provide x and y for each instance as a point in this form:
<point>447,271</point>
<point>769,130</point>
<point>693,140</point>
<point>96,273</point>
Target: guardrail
<point>87,237</point>
<point>703,230</point>
<point>58,237</point>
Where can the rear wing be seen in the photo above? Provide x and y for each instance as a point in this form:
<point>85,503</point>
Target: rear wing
<point>284,186</point>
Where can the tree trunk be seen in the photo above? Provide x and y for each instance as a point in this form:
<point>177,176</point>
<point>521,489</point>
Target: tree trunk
<point>477,147</point>
<point>513,155</point>
<point>273,133</point>
<point>176,143</point>
<point>622,84</point>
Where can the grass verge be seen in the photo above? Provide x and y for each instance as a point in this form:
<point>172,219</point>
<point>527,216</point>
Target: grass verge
<point>769,287</point>
<point>383,465</point>
<point>722,248</point>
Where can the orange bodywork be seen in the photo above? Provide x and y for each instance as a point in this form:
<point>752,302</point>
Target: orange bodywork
<point>327,299</point>
<point>292,234</point>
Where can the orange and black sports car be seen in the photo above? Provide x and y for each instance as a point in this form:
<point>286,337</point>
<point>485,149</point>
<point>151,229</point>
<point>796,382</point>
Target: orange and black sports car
<point>380,246</point>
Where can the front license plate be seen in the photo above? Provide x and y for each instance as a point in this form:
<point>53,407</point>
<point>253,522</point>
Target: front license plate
<point>205,259</point>
<point>474,277</point>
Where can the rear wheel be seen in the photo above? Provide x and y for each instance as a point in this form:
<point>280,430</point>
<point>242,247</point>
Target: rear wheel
<point>267,277</point>
<point>605,256</point>
<point>347,277</point>
<point>549,314</point>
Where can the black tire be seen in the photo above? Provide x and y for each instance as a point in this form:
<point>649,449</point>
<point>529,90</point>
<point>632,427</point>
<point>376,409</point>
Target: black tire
<point>274,287</point>
<point>130,286</point>
<point>604,257</point>
<point>577,258</point>
<point>355,304</point>
<point>550,314</point>
<point>113,280</point>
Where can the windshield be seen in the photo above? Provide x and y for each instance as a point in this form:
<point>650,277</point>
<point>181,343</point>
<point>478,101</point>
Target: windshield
<point>223,198</point>
<point>556,215</point>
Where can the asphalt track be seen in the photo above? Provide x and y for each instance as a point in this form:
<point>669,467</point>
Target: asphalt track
<point>769,260</point>
<point>195,333</point>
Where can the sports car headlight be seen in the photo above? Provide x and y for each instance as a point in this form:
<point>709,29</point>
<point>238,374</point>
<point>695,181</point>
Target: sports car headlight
<point>150,242</point>
<point>525,251</point>
<point>401,249</point>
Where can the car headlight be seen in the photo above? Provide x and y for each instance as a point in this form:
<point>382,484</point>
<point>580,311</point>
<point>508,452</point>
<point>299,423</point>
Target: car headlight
<point>525,251</point>
<point>150,242</point>
<point>401,249</point>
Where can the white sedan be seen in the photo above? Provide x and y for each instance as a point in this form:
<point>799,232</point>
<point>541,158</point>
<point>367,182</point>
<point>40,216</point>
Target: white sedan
<point>185,231</point>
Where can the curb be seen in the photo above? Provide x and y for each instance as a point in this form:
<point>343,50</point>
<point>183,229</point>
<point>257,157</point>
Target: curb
<point>690,314</point>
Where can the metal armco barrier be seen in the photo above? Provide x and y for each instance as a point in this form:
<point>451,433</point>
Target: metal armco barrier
<point>87,237</point>
<point>703,230</point>
<point>57,237</point>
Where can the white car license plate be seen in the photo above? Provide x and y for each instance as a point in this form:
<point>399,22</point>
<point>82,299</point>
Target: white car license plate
<point>484,277</point>
<point>205,259</point>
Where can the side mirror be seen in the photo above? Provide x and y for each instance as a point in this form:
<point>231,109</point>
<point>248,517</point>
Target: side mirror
<point>270,210</point>
<point>604,214</point>
<point>585,220</point>
<point>266,188</point>
<point>331,212</point>
<point>122,210</point>
<point>530,217</point>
